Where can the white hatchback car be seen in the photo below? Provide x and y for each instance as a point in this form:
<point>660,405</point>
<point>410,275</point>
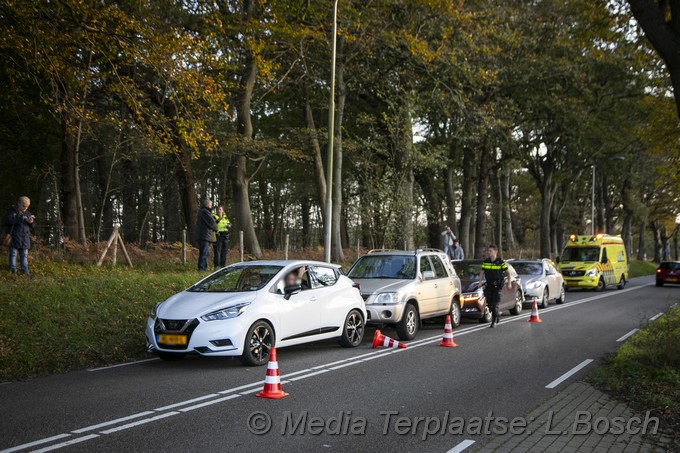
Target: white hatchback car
<point>247,308</point>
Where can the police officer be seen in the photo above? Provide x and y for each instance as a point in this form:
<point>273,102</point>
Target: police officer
<point>494,270</point>
<point>221,244</point>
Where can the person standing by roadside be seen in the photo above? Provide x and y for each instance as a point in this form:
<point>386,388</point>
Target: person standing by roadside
<point>20,221</point>
<point>221,245</point>
<point>494,271</point>
<point>457,253</point>
<point>205,234</point>
<point>449,237</point>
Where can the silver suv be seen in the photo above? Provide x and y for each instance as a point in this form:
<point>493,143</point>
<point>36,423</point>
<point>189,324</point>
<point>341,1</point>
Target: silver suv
<point>404,287</point>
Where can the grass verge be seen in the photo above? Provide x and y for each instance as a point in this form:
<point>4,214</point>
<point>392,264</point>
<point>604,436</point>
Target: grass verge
<point>641,268</point>
<point>68,316</point>
<point>645,371</point>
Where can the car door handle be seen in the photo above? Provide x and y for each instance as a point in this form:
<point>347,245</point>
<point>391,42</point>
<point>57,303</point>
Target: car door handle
<point>313,298</point>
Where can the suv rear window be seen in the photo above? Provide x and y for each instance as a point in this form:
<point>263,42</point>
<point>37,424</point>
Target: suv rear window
<point>669,266</point>
<point>397,267</point>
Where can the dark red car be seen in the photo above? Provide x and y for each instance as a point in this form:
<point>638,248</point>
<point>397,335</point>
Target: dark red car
<point>668,272</point>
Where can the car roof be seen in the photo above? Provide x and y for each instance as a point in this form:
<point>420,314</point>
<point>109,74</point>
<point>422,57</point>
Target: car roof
<point>536,261</point>
<point>403,252</point>
<point>284,263</point>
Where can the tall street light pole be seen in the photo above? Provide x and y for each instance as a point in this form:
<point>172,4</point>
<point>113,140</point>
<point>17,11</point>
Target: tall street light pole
<point>331,139</point>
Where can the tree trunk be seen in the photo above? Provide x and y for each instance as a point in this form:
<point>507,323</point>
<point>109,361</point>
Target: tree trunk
<point>319,174</point>
<point>69,207</point>
<point>424,180</point>
<point>498,210</point>
<point>642,252</point>
<point>403,144</point>
<point>337,253</point>
<point>128,197</point>
<point>305,207</point>
<point>468,190</point>
<point>547,194</point>
<point>507,209</point>
<point>450,191</point>
<point>187,190</point>
<point>657,234</point>
<point>482,195</point>
<point>172,223</point>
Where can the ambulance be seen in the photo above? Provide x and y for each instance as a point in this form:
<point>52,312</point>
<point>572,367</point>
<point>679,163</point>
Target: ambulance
<point>594,262</point>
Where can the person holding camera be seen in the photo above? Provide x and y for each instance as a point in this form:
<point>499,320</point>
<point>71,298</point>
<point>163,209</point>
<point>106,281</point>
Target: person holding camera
<point>20,221</point>
<point>494,271</point>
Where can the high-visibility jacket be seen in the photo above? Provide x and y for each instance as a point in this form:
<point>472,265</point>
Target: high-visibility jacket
<point>223,224</point>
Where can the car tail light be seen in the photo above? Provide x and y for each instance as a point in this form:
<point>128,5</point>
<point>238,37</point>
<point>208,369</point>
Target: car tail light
<point>658,271</point>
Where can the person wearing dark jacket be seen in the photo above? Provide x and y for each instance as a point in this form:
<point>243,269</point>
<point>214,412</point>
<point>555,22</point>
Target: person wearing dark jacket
<point>206,227</point>
<point>20,222</point>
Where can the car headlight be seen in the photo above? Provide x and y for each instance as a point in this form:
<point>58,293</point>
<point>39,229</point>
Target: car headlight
<point>591,273</point>
<point>154,312</point>
<point>226,313</point>
<point>387,299</point>
<point>533,285</point>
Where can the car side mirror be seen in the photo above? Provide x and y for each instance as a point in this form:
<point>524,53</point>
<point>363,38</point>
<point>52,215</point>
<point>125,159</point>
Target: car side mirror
<point>428,275</point>
<point>291,290</point>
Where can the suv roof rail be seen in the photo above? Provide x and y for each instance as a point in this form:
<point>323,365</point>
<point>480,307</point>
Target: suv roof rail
<point>383,250</point>
<point>429,249</point>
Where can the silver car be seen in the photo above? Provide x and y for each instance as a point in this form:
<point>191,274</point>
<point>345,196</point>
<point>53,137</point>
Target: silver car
<point>540,280</point>
<point>401,288</point>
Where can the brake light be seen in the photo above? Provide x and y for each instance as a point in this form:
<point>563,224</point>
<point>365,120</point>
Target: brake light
<point>658,271</point>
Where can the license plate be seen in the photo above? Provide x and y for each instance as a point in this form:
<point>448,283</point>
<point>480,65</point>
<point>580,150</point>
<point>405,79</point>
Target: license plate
<point>569,283</point>
<point>172,339</point>
<point>672,279</point>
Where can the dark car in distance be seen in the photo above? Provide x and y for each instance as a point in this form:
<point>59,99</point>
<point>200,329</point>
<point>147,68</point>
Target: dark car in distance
<point>668,272</point>
<point>474,303</point>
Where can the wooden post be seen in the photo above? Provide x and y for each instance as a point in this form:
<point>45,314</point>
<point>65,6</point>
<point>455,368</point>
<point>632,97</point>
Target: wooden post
<point>184,247</point>
<point>122,246</point>
<point>240,241</point>
<point>285,254</point>
<point>114,252</point>
<point>108,245</point>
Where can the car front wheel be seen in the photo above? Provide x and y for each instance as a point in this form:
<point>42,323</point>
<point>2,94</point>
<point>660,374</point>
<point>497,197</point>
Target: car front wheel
<point>353,332</point>
<point>407,327</point>
<point>259,341</point>
<point>563,296</point>
<point>544,301</point>
<point>622,283</point>
<point>600,285</point>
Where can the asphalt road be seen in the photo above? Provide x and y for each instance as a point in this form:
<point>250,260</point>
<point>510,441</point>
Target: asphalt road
<point>206,403</point>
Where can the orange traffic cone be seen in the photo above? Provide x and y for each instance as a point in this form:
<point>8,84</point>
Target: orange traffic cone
<point>534,312</point>
<point>272,381</point>
<point>447,339</point>
<point>381,340</point>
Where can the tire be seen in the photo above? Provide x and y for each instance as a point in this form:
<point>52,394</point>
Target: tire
<point>600,285</point>
<point>407,327</point>
<point>353,331</point>
<point>622,283</point>
<point>455,314</point>
<point>259,340</point>
<point>170,356</point>
<point>563,295</point>
<point>517,309</point>
<point>544,301</point>
<point>487,316</point>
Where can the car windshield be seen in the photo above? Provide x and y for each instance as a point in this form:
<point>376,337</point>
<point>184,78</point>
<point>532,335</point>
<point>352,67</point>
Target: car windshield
<point>580,254</point>
<point>237,278</point>
<point>400,267</point>
<point>528,268</point>
<point>669,266</point>
<point>468,271</point>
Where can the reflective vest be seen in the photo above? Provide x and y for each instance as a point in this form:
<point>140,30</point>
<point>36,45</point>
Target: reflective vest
<point>223,224</point>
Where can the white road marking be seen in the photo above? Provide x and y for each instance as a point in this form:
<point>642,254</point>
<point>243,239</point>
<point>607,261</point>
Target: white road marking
<point>297,378</point>
<point>569,374</point>
<point>35,443</point>
<point>208,403</point>
<point>139,422</point>
<point>461,446</point>
<point>111,422</point>
<point>122,364</point>
<point>629,334</point>
<point>66,444</point>
<point>655,317</point>
<point>184,403</point>
<point>341,364</point>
